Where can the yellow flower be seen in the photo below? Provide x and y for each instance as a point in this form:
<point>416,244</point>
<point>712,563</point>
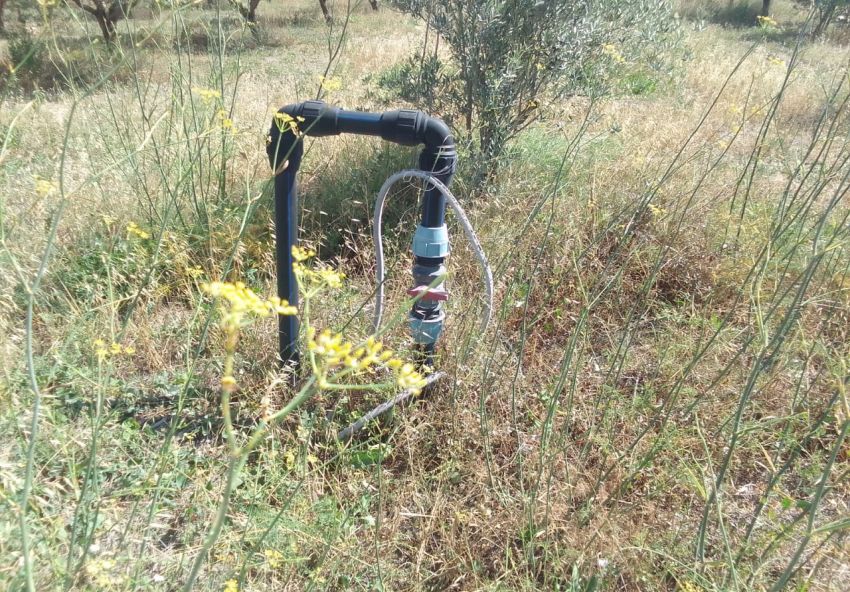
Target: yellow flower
<point>231,586</point>
<point>612,51</point>
<point>134,230</point>
<point>193,271</point>
<point>330,84</point>
<point>767,22</point>
<point>408,378</point>
<point>224,121</point>
<point>331,352</point>
<point>240,302</point>
<point>273,558</point>
<point>329,346</point>
<point>657,211</point>
<point>330,278</point>
<point>285,123</point>
<point>114,349</point>
<point>207,95</point>
<point>282,306</point>
<point>313,278</point>
<point>100,349</point>
<point>300,254</point>
<point>43,187</point>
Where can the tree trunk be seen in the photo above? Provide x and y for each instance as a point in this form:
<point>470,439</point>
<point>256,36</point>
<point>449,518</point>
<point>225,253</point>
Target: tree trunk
<point>765,7</point>
<point>492,137</point>
<point>107,16</point>
<point>251,17</point>
<point>325,10</point>
<point>826,14</point>
<point>107,26</point>
<point>2,6</point>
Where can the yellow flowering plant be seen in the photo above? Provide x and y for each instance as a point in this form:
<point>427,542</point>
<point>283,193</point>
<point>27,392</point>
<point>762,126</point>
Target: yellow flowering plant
<point>286,123</point>
<point>334,364</point>
<point>104,351</point>
<point>208,95</point>
<point>330,84</point>
<point>133,230</point>
<point>767,22</point>
<point>333,359</point>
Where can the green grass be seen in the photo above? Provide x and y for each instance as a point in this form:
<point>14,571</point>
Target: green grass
<point>661,402</point>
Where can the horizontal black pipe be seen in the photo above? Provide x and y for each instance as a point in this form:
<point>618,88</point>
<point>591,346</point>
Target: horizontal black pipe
<point>403,126</point>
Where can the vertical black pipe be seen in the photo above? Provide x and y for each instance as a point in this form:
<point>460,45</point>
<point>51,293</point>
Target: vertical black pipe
<point>285,150</point>
<point>286,235</point>
<point>441,163</point>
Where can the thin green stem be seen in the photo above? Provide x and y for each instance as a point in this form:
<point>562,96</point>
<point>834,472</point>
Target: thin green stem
<point>238,456</point>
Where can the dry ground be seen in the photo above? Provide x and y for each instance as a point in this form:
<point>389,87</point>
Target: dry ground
<point>660,404</point>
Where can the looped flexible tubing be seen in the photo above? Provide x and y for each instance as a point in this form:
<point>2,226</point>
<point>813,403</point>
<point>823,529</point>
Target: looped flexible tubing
<point>377,237</point>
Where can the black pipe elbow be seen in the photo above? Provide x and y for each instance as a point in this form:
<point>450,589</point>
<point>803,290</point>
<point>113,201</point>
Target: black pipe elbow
<point>282,144</point>
<point>438,135</point>
<point>409,128</point>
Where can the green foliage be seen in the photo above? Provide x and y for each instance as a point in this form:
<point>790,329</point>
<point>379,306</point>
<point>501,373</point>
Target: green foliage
<point>511,57</point>
<point>39,66</point>
<point>338,204</point>
<point>826,11</point>
<point>210,35</point>
<point>736,13</point>
<point>105,268</point>
<point>426,80</point>
<point>27,54</point>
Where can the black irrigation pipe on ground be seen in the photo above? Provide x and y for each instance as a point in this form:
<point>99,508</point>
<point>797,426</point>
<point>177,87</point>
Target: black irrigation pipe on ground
<point>348,433</point>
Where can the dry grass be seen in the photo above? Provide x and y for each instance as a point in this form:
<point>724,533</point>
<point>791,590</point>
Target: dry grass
<point>581,438</point>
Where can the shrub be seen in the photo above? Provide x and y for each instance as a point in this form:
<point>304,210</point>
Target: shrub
<point>826,11</point>
<point>36,65</point>
<point>510,56</point>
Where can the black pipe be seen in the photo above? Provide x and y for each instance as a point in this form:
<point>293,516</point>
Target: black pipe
<point>285,155</point>
<point>315,118</point>
<point>405,126</point>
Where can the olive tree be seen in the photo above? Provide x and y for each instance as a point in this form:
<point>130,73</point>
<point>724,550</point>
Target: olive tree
<point>509,56</point>
<point>826,11</point>
<point>248,10</point>
<point>107,14</point>
<point>326,11</point>
<point>328,14</point>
